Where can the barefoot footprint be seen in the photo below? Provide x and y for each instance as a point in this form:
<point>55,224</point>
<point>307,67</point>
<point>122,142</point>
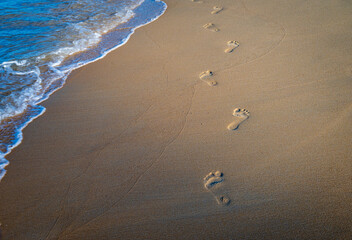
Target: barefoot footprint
<point>211,27</point>
<point>211,182</point>
<point>216,10</point>
<point>232,45</point>
<point>205,76</point>
<point>241,115</point>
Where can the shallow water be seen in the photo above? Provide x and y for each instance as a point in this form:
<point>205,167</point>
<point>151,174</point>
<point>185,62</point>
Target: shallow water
<point>42,41</point>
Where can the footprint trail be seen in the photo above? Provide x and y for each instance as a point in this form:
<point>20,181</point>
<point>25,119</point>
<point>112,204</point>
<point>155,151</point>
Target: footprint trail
<point>232,45</point>
<point>212,183</point>
<point>211,27</point>
<point>241,115</point>
<point>206,77</point>
<point>216,10</point>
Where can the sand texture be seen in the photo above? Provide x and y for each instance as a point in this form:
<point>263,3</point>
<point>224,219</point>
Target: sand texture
<point>125,147</point>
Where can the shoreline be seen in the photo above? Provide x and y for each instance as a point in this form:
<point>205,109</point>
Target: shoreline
<point>57,84</point>
<point>130,147</point>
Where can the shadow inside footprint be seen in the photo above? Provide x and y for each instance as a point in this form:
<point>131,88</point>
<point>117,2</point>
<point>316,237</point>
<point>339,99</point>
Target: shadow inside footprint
<point>216,10</point>
<point>241,115</point>
<point>232,45</point>
<point>223,200</point>
<point>212,180</point>
<point>205,76</point>
<point>211,27</point>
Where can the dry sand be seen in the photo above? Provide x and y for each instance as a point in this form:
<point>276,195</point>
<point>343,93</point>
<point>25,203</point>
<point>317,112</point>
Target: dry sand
<point>123,148</point>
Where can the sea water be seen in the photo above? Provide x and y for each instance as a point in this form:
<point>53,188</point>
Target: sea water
<point>42,41</point>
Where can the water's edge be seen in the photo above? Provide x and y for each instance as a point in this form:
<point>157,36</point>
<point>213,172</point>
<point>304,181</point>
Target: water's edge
<point>109,42</point>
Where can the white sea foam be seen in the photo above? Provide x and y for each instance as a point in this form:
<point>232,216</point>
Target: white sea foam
<point>31,81</point>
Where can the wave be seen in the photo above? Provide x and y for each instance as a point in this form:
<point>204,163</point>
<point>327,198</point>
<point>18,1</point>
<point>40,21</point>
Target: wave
<point>27,82</point>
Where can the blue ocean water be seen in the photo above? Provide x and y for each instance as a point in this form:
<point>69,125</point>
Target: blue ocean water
<point>42,41</point>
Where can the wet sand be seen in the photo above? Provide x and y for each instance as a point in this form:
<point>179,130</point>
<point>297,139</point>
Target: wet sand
<point>130,147</point>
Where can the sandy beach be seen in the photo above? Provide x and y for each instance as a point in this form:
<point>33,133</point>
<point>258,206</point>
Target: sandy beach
<point>222,119</point>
